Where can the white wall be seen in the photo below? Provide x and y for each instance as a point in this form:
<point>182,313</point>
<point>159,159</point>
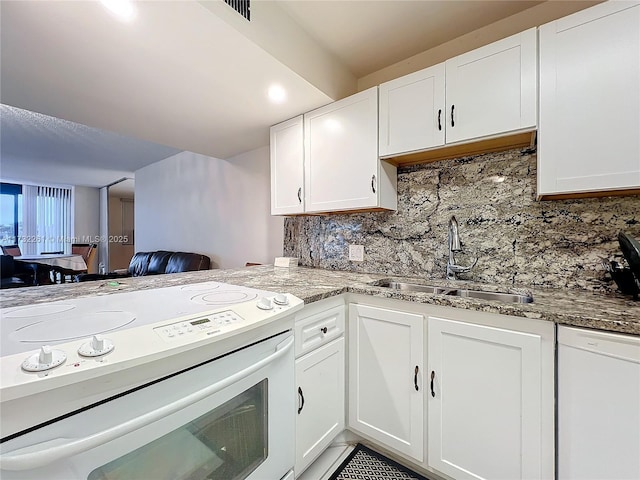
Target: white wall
<point>86,221</point>
<point>220,208</point>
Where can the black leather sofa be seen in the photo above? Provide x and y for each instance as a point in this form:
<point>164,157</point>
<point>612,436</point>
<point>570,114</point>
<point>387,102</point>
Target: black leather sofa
<point>155,263</point>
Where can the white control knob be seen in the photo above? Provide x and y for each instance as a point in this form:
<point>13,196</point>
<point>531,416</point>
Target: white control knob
<point>280,299</point>
<point>265,304</point>
<point>97,342</point>
<point>45,355</point>
<point>96,346</point>
<point>45,359</point>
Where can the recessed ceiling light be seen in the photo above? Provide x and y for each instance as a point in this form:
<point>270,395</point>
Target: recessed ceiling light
<point>123,9</point>
<point>277,94</point>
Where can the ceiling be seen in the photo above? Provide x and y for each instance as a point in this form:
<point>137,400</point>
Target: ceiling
<point>193,75</point>
<point>367,36</point>
<point>40,148</point>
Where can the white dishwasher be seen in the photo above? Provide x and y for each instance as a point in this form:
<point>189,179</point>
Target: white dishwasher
<point>598,405</point>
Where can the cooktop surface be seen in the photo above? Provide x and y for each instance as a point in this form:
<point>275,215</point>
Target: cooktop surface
<point>28,327</point>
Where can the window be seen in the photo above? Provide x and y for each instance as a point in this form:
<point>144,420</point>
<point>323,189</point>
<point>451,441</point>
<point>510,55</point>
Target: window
<point>36,217</point>
<point>10,213</point>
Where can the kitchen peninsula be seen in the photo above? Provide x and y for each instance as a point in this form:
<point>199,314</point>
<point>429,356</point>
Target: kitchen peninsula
<point>609,312</point>
<point>431,349</point>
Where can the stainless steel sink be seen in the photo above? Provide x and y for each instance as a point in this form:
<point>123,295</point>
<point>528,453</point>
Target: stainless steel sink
<point>414,287</point>
<point>499,296</point>
<point>468,293</point>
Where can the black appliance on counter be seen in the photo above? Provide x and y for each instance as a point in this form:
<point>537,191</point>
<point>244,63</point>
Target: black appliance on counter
<point>627,278</point>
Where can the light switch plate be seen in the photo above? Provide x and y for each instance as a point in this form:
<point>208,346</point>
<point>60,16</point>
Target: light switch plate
<point>356,253</point>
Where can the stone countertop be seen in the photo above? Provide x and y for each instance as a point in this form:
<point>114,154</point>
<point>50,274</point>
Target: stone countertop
<point>600,311</point>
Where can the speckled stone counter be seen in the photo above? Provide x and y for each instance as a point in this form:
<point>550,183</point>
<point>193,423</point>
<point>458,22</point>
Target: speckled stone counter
<point>567,307</point>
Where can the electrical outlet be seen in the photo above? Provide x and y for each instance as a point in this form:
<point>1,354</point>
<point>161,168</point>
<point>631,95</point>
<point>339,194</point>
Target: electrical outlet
<point>356,253</point>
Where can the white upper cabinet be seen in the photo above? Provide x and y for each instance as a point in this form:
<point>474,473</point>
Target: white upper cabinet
<point>589,137</point>
<point>492,90</point>
<point>287,167</point>
<point>485,93</point>
<point>342,169</point>
<point>412,115</point>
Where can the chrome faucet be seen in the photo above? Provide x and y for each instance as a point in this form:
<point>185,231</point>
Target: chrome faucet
<point>454,246</point>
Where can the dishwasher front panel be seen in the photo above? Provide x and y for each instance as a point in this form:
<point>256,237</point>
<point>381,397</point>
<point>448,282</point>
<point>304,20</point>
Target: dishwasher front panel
<point>598,405</point>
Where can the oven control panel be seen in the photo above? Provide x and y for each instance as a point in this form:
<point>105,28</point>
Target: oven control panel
<point>209,324</point>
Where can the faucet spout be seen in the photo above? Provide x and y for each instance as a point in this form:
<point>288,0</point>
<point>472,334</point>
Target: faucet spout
<point>454,246</point>
<point>454,238</point>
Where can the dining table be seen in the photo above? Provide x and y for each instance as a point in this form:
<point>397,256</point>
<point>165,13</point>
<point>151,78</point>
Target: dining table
<point>64,264</point>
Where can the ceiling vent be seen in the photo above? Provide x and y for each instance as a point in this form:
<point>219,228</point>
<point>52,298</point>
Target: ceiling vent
<point>243,7</point>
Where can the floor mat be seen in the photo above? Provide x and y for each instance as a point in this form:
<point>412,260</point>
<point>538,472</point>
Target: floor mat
<point>365,464</point>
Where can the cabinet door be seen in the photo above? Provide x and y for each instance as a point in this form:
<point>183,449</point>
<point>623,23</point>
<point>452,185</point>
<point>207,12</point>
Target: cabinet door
<point>590,101</point>
<point>320,380</point>
<point>485,402</point>
<point>386,352</point>
<point>287,163</point>
<point>412,113</point>
<point>341,154</point>
<point>492,90</point>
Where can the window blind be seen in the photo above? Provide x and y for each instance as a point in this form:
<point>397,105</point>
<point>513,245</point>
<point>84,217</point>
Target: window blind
<point>46,219</point>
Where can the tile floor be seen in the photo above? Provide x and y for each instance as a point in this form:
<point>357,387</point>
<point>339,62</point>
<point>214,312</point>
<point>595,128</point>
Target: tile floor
<point>327,463</point>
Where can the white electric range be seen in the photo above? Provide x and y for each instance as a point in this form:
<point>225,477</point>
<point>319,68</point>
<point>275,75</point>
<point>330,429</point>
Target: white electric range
<point>82,363</point>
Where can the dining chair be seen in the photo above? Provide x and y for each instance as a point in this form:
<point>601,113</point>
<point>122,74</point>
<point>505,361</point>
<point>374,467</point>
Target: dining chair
<point>13,250</point>
<point>84,249</point>
<point>88,251</point>
<point>16,274</point>
<point>30,272</point>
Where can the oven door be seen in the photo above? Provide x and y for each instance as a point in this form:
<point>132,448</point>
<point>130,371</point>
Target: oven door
<point>229,419</point>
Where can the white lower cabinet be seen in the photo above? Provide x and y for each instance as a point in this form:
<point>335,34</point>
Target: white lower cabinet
<point>320,379</point>
<point>460,393</point>
<point>491,400</point>
<point>386,358</point>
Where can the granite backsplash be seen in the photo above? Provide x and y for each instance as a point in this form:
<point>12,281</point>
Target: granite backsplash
<point>518,241</point>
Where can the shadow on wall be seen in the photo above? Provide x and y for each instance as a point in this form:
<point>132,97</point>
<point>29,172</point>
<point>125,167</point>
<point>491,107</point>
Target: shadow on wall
<point>519,241</point>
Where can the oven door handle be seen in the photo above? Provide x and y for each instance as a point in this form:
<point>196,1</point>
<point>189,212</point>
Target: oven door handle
<point>48,454</point>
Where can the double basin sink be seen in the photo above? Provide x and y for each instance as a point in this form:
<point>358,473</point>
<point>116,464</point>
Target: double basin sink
<point>456,292</point>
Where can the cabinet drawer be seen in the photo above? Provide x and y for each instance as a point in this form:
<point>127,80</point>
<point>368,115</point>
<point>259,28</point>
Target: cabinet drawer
<point>318,329</point>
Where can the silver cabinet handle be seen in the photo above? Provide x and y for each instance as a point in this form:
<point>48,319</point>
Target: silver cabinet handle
<point>300,195</point>
<point>373,183</point>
